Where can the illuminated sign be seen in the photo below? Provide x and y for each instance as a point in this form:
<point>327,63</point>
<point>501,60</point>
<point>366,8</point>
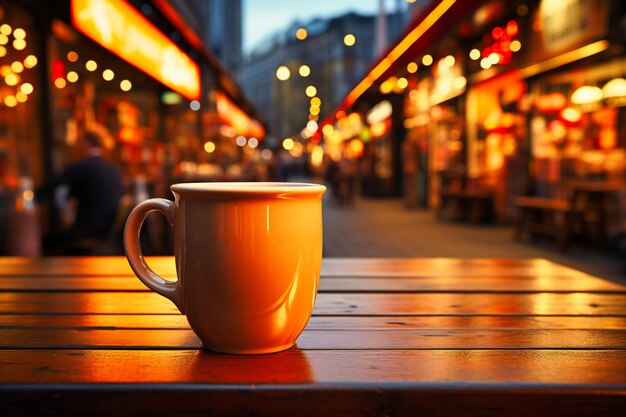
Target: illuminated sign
<point>230,114</point>
<point>121,29</point>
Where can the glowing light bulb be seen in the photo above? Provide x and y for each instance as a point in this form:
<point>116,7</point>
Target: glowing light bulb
<point>125,85</point>
<point>26,88</point>
<point>283,73</point>
<point>304,70</point>
<point>301,34</point>
<point>30,61</point>
<point>311,91</point>
<point>108,74</point>
<point>72,76</point>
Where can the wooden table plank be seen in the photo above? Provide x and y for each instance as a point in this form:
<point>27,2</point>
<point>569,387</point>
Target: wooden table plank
<point>333,284</point>
<point>331,267</point>
<point>334,304</point>
<point>520,339</point>
<point>582,367</point>
<point>178,321</point>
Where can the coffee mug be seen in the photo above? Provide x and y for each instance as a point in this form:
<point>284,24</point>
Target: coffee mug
<point>248,259</point>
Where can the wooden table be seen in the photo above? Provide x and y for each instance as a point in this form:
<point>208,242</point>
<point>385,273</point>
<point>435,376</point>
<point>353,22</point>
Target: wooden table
<point>388,337</point>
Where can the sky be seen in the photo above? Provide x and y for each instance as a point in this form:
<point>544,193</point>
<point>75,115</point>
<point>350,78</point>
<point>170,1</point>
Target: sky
<point>264,17</point>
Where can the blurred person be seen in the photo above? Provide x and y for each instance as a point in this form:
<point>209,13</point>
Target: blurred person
<point>96,186</point>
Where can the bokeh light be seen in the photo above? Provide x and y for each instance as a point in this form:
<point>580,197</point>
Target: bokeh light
<point>283,73</point>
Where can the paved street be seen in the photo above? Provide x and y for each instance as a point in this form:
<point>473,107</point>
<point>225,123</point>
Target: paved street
<point>384,228</point>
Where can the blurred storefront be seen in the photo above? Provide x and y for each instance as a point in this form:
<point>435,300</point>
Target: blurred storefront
<point>504,99</point>
<point>109,66</point>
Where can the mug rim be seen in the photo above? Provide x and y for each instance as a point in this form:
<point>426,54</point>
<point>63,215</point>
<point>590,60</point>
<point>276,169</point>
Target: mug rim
<point>248,188</point>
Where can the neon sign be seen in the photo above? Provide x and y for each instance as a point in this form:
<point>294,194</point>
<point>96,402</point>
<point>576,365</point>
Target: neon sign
<point>120,28</point>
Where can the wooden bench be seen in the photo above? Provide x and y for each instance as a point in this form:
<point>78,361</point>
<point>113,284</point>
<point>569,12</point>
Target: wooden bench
<point>544,216</point>
<point>473,206</point>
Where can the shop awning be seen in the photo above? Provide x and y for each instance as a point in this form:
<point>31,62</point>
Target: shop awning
<point>428,25</point>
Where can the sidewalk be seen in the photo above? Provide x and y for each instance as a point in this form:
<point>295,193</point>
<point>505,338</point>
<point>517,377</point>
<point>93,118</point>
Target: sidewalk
<point>385,228</point>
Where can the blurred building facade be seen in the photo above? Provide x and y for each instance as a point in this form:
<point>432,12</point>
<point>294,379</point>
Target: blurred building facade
<point>218,23</point>
<point>317,56</point>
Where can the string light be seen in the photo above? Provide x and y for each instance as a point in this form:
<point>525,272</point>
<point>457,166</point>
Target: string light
<point>19,33</point>
<point>108,74</point>
<point>311,91</point>
<point>19,44</point>
<point>10,101</point>
<point>17,67</point>
<point>11,79</point>
<point>91,65</point>
<point>30,61</point>
<point>72,76</point>
<point>411,67</point>
<point>253,142</point>
<point>209,147</point>
<point>349,39</point>
<point>283,73</point>
<point>288,144</point>
<point>301,34</point>
<point>60,83</point>
<point>72,56</point>
<point>427,59</point>
<point>26,88</point>
<point>125,85</point>
<point>474,54</point>
<point>21,97</point>
<point>304,70</point>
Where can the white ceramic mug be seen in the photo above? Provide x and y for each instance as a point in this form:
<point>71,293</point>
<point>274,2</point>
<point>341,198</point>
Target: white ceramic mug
<point>248,258</point>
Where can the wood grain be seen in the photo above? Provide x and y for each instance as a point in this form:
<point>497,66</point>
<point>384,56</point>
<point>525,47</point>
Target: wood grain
<point>576,367</point>
<point>337,267</point>
<point>178,321</point>
<point>36,338</point>
<point>333,304</point>
<point>332,284</point>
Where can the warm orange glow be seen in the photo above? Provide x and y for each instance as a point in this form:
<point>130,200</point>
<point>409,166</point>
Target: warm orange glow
<point>328,129</point>
<point>10,101</point>
<point>229,113</point>
<point>30,61</point>
<point>26,88</point>
<point>399,49</point>
<point>120,28</point>
<point>288,144</point>
<point>379,129</point>
<point>301,34</point>
<point>356,146</point>
<point>72,76</point>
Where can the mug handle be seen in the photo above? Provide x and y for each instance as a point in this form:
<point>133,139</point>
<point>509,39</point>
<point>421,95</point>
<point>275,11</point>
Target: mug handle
<point>132,247</point>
